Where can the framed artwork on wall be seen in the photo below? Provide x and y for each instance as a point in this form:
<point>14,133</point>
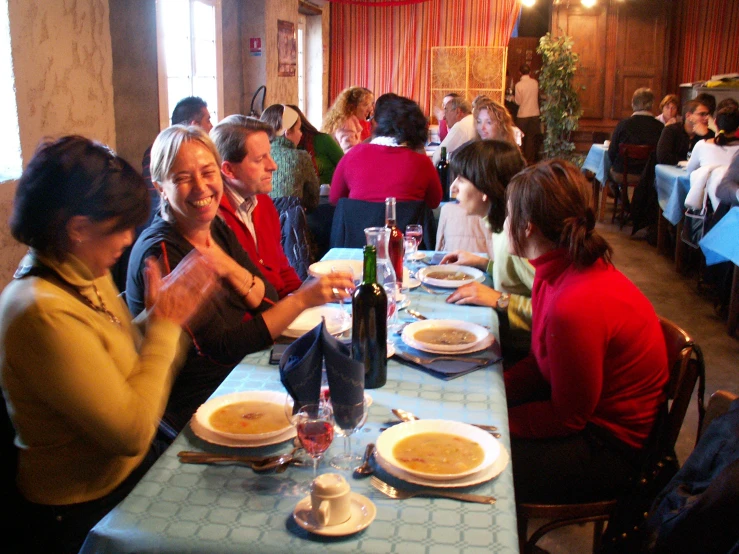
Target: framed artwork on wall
<point>287,49</point>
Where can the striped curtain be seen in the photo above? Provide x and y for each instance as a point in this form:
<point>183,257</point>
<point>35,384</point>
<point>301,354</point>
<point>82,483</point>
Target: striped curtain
<point>388,49</point>
<point>705,39</point>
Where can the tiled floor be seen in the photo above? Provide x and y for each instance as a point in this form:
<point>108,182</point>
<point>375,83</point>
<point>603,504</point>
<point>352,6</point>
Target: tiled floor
<point>675,297</point>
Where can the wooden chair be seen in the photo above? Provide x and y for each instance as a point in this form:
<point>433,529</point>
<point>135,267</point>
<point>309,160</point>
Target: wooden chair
<point>686,366</point>
<point>629,153</point>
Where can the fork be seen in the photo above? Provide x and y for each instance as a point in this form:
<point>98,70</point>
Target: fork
<point>424,361</point>
<point>392,492</point>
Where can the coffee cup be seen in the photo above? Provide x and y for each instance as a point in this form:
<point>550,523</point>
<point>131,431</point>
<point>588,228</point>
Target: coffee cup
<point>330,499</point>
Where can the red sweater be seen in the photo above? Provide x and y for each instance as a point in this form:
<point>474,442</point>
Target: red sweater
<point>269,257</point>
<point>597,342</point>
<point>373,172</point>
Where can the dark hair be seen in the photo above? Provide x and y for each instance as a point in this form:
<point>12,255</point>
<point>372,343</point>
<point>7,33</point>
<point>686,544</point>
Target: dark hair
<point>272,116</point>
<point>489,165</point>
<point>691,106</point>
<point>188,110</point>
<point>306,126</point>
<point>643,99</point>
<point>231,133</point>
<point>727,121</point>
<point>402,119</point>
<point>525,69</point>
<point>74,176</point>
<point>727,103</point>
<point>554,196</point>
<point>708,100</point>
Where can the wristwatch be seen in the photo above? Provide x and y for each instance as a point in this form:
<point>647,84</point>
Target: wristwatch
<point>502,303</point>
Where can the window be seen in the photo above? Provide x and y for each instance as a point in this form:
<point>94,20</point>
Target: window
<point>10,153</point>
<point>301,63</point>
<point>188,34</point>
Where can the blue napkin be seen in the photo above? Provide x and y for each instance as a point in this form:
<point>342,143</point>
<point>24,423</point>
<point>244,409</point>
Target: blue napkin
<point>448,369</point>
<point>302,363</point>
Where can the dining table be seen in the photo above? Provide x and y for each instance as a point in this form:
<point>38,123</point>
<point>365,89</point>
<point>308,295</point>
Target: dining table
<point>672,184</point>
<point>180,508</point>
<point>721,244</point>
<point>598,164</point>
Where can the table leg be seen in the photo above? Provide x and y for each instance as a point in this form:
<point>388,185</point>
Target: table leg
<point>681,249</point>
<point>596,196</point>
<point>733,318</point>
<point>662,233</point>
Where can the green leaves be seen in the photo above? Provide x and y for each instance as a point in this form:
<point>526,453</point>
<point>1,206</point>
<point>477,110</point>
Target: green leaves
<point>561,109</point>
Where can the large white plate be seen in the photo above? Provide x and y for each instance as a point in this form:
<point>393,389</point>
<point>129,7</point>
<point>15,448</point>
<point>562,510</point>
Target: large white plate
<point>389,438</point>
<point>202,415</point>
<point>475,479</point>
<point>473,274</point>
<point>212,438</point>
<point>482,336</point>
<point>337,321</point>
<point>325,267</point>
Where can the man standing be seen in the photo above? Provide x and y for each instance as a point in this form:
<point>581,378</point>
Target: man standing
<point>527,118</point>
<point>247,167</point>
<point>461,124</point>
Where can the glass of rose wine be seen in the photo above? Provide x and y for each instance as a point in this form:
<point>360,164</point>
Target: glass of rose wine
<point>315,425</point>
<point>415,232</point>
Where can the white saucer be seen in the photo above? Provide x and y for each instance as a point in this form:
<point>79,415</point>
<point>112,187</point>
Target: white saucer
<point>416,256</point>
<point>213,438</point>
<point>411,283</point>
<point>475,479</point>
<point>363,513</point>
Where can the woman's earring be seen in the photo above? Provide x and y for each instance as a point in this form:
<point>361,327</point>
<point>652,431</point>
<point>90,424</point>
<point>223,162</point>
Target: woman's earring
<point>484,197</point>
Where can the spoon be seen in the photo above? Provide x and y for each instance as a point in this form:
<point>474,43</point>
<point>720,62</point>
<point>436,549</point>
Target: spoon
<point>403,415</point>
<point>365,469</point>
<point>415,314</point>
<point>271,464</point>
<point>282,467</point>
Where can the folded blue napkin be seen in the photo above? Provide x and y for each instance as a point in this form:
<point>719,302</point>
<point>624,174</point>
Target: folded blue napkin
<point>302,363</point>
<point>448,369</point>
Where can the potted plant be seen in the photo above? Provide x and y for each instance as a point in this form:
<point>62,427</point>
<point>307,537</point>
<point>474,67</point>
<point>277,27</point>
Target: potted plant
<point>561,110</point>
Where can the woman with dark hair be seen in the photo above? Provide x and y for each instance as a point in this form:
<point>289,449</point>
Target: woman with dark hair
<point>483,170</point>
<point>582,404</point>
<point>720,149</point>
<point>392,164</point>
<point>323,149</point>
<point>247,316</point>
<point>84,388</point>
<point>295,174</point>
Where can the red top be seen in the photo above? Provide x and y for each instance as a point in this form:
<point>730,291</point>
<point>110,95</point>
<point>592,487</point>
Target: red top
<point>597,342</point>
<point>269,257</point>
<point>366,129</point>
<point>373,172</point>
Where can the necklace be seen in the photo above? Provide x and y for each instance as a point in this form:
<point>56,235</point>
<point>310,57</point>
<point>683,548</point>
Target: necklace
<point>102,308</point>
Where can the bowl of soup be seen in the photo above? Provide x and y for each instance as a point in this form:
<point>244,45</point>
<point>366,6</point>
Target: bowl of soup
<point>449,276</point>
<point>245,416</point>
<point>438,450</point>
<point>445,336</point>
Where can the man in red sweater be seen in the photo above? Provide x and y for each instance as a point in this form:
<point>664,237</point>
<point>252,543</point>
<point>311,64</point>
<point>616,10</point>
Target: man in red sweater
<point>247,166</point>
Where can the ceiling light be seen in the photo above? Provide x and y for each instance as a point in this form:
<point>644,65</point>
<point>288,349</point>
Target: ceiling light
<point>528,3</point>
<point>588,3</point>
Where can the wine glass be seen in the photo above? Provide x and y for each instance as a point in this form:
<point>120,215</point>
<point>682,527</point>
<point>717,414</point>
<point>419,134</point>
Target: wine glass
<point>315,426</point>
<point>415,232</point>
<point>343,268</point>
<point>392,291</point>
<point>348,419</point>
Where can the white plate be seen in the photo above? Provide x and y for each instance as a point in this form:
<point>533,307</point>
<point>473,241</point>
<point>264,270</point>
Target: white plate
<point>411,283</point>
<point>409,332</point>
<point>390,437</point>
<point>472,272</point>
<point>417,256</point>
<point>475,479</point>
<point>202,415</point>
<point>324,268</point>
<point>212,438</point>
<point>337,321</point>
<point>363,512</point>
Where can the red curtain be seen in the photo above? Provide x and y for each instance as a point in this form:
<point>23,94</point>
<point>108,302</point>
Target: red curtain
<point>705,40</point>
<point>388,49</point>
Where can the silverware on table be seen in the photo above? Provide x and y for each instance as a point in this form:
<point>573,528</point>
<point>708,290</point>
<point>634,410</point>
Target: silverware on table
<point>415,314</point>
<point>432,291</point>
<point>194,457</point>
<point>399,494</point>
<point>404,415</point>
<point>365,469</point>
<point>431,359</point>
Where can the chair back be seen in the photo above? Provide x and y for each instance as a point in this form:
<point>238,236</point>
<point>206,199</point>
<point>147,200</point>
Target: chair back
<point>687,368</point>
<point>296,240</point>
<point>634,152</point>
<point>352,217</point>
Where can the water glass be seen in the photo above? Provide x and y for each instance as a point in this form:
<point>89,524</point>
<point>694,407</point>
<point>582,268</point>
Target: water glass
<point>348,419</point>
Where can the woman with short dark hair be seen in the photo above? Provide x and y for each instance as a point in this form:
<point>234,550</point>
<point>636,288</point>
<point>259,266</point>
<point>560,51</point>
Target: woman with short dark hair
<point>582,404</point>
<point>393,162</point>
<point>84,388</point>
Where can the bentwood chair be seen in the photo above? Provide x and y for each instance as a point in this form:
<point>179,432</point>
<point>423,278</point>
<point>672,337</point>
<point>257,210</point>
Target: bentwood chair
<point>686,368</point>
<point>630,153</point>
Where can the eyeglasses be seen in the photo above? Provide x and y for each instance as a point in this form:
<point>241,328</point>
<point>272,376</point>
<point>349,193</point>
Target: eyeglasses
<point>702,114</point>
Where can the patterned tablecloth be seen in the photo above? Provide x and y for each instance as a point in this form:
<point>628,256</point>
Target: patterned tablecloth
<point>208,508</point>
<point>598,162</point>
<point>672,184</point>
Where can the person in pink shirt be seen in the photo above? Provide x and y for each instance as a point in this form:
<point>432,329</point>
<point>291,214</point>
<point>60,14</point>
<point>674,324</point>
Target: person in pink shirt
<point>582,404</point>
<point>348,118</point>
<point>393,163</point>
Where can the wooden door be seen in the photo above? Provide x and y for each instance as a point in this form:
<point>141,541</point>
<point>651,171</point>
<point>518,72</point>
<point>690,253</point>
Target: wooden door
<point>640,54</point>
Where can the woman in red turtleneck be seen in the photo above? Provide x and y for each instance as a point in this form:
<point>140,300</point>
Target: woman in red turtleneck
<point>583,402</point>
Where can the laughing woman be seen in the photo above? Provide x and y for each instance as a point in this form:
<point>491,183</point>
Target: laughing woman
<point>246,315</point>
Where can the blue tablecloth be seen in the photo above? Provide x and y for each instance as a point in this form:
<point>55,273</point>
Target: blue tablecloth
<point>721,243</point>
<point>598,162</point>
<point>221,509</point>
<point>672,184</point>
